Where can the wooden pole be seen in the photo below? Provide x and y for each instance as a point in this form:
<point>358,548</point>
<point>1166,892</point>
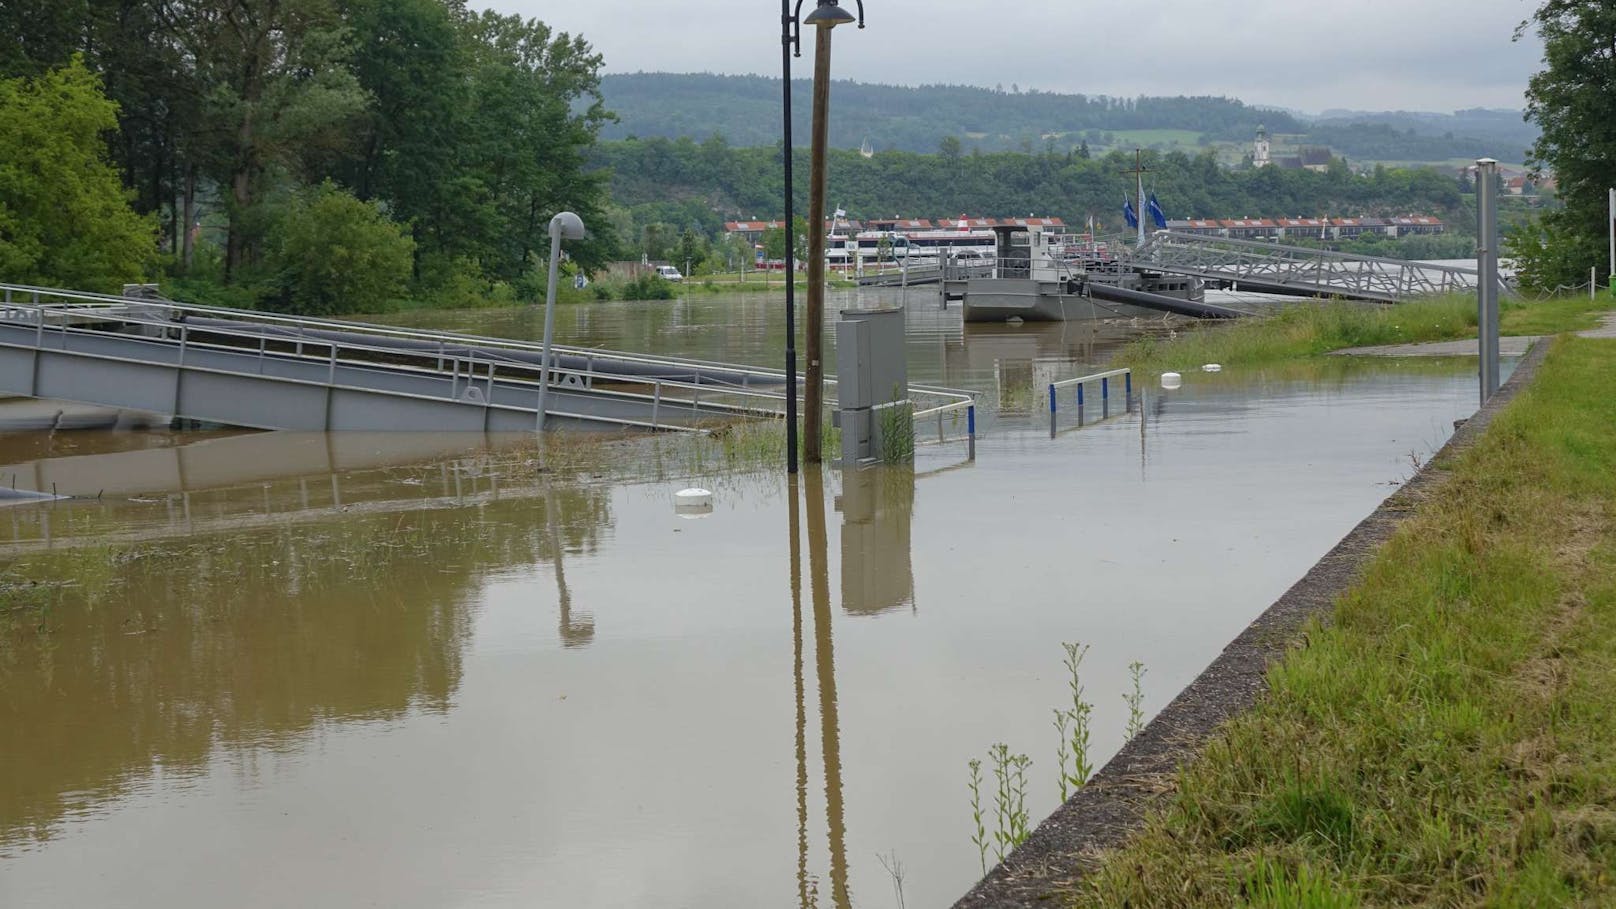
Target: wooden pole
<point>814,382</point>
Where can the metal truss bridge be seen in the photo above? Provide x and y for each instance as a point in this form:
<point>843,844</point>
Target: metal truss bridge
<point>1297,271</point>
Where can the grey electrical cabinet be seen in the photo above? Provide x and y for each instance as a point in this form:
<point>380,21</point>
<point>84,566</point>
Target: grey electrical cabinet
<point>870,372</point>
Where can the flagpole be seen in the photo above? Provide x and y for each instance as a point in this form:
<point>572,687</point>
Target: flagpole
<point>1139,182</point>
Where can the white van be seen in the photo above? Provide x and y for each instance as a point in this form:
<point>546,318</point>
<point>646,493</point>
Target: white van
<point>669,273</point>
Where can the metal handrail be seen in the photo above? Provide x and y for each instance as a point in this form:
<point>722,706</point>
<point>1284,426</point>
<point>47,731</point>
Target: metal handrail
<point>280,319</point>
<point>137,312</point>
<point>1104,378</point>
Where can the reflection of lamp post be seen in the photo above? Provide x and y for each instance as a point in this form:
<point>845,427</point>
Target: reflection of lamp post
<point>827,15</point>
<point>565,225</point>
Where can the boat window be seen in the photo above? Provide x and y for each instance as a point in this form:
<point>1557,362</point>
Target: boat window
<point>1021,238</point>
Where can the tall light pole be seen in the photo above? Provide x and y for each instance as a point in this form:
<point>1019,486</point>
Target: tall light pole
<point>1487,268</point>
<point>564,226</point>
<point>827,15</point>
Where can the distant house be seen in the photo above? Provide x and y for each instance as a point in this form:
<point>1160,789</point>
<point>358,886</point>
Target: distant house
<point>1302,228</point>
<point>1350,228</point>
<point>1315,159</point>
<point>751,231</point>
<point>1250,229</point>
<point>1204,226</point>
<point>1416,225</point>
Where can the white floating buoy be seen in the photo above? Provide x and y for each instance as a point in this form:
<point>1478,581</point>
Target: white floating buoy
<point>693,502</point>
<point>693,496</point>
<point>1212,367</point>
<point>1171,380</point>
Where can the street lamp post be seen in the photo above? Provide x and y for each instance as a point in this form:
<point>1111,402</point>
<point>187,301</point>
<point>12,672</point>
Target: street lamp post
<point>827,15</point>
<point>564,226</point>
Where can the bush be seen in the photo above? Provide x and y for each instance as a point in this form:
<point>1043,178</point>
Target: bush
<point>335,254</point>
<point>648,287</point>
<point>64,215</point>
<point>1552,255</point>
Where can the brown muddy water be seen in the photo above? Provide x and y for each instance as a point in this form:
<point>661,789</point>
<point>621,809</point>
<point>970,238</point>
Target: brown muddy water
<point>420,670</point>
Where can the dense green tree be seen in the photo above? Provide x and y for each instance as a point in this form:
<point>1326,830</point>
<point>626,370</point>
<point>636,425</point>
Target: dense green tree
<point>335,254</point>
<point>536,109</point>
<point>65,218</point>
<point>37,35</point>
<point>1573,101</point>
<point>279,98</point>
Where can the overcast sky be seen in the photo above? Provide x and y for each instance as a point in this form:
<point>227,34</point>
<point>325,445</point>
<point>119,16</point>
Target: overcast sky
<point>1303,54</point>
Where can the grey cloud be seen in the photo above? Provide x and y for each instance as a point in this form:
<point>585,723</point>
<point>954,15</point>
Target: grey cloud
<point>1363,54</point>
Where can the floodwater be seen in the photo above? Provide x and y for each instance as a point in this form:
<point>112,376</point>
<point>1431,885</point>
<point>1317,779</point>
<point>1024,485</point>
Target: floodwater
<point>297,669</point>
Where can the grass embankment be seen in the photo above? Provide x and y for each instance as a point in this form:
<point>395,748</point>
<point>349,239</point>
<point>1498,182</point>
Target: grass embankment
<point>1310,330</point>
<point>1449,739</point>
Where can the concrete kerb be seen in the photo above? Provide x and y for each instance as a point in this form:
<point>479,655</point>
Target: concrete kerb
<point>1113,805</point>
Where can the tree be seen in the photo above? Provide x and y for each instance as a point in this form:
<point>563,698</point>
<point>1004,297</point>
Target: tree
<point>65,219</point>
<point>774,240</point>
<point>692,249</point>
<point>336,254</point>
<point>279,97</point>
<point>536,108</point>
<point>1573,101</point>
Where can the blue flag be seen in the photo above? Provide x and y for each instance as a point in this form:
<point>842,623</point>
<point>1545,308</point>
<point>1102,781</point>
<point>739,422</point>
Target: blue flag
<point>1128,213</point>
<point>1156,213</point>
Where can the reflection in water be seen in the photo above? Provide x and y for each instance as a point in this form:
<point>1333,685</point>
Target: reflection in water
<point>825,666</point>
<point>877,505</point>
<point>164,656</point>
<point>825,670</point>
<point>576,631</point>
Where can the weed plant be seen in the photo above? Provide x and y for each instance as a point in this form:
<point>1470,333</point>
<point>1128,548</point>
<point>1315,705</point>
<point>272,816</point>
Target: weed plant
<point>1135,699</point>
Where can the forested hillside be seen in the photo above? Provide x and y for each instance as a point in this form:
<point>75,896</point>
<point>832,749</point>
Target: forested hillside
<point>684,183</point>
<point>745,110</point>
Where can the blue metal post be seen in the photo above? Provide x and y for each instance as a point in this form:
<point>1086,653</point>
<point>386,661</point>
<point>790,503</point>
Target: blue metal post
<point>1105,397</point>
<point>1052,398</point>
<point>970,431</point>
<point>1127,390</point>
<point>1080,394</point>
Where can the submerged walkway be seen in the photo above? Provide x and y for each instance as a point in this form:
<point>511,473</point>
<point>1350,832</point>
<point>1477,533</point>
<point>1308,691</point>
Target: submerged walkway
<point>1513,346</point>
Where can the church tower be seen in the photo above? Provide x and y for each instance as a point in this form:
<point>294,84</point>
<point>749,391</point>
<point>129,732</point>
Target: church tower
<point>1259,157</point>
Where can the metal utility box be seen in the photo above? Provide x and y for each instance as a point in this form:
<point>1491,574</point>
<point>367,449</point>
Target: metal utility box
<point>870,372</point>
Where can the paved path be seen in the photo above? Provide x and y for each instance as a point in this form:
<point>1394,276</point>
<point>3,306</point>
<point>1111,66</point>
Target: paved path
<point>1514,346</point>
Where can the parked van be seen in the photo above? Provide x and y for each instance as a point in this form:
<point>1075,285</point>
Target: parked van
<point>669,273</point>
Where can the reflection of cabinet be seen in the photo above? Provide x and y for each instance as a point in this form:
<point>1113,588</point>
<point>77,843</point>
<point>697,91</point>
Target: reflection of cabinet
<point>877,504</point>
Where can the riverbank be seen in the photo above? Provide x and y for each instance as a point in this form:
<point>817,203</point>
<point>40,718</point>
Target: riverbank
<point>1312,330</point>
<point>1445,738</point>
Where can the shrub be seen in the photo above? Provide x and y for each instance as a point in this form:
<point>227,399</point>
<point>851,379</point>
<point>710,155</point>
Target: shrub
<point>335,254</point>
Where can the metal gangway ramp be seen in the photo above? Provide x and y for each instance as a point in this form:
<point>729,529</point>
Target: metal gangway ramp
<point>269,371</point>
<point>1298,271</point>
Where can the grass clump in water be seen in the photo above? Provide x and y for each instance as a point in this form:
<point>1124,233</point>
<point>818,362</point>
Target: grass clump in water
<point>1450,737</point>
<point>1310,329</point>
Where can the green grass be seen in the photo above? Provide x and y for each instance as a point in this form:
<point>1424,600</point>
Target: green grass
<point>1449,737</point>
<point>1148,137</point>
<point>1306,330</point>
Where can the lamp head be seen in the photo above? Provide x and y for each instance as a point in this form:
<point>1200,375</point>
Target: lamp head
<point>567,226</point>
<point>829,14</point>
